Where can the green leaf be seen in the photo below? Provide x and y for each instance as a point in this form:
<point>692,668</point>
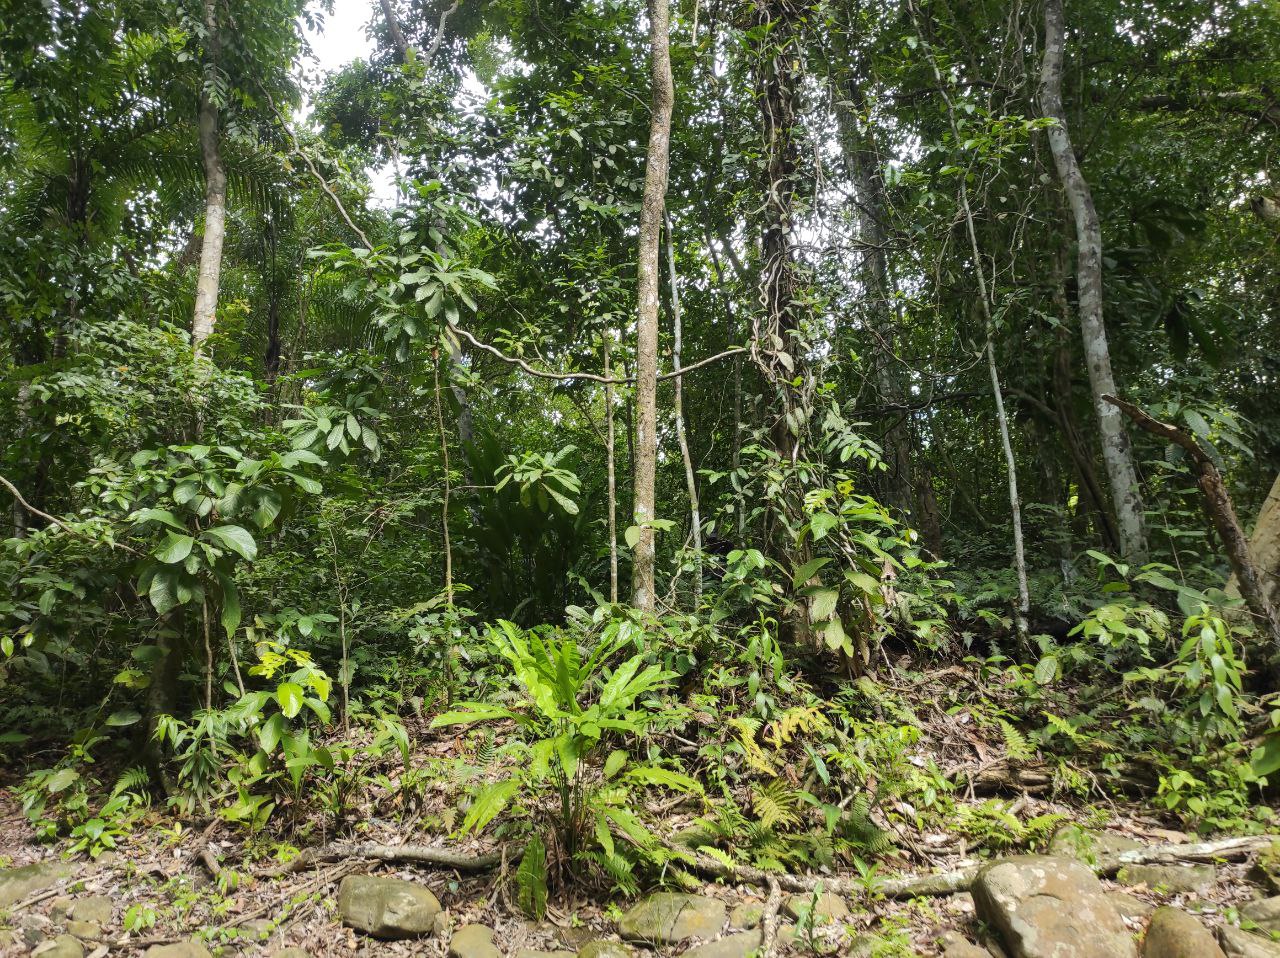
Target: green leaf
<point>62,780</point>
<point>123,717</point>
<point>632,536</point>
<point>236,538</point>
<point>488,803</point>
<point>806,571</point>
<point>175,548</point>
<point>270,733</point>
<point>163,592</point>
<point>290,697</point>
<point>617,758</point>
<point>531,879</point>
<point>231,615</point>
<point>820,523</point>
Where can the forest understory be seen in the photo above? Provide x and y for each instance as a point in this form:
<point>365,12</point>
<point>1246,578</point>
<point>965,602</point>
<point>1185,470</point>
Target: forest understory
<point>589,478</point>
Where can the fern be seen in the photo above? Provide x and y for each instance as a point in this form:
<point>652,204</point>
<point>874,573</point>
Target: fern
<point>798,719</point>
<point>775,804</point>
<point>531,879</point>
<point>755,755</point>
<point>1016,746</point>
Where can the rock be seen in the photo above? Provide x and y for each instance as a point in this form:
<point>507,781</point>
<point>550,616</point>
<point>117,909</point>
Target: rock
<point>668,918</point>
<point>746,915</point>
<point>1240,944</point>
<point>473,941</point>
<point>1264,913</point>
<point>1130,906</point>
<point>258,929</point>
<point>59,907</point>
<point>824,908</point>
<point>1173,879</point>
<point>181,949</point>
<point>574,937</point>
<point>293,951</point>
<point>606,948</point>
<point>387,907</point>
<point>738,945</point>
<point>956,945</point>
<point>19,883</point>
<point>1049,907</point>
<point>85,930</point>
<point>535,953</point>
<point>1265,871</point>
<point>64,946</point>
<point>1073,841</point>
<point>97,908</point>
<point>33,929</point>
<point>1175,934</point>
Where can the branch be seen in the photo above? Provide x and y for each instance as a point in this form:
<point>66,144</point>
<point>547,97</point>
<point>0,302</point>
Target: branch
<point>13,490</point>
<point>589,377</point>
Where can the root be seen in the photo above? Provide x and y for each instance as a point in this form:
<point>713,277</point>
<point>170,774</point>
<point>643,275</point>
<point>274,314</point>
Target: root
<point>769,920</point>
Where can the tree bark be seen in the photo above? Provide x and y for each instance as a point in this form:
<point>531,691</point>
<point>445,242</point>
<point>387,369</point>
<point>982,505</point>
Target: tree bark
<point>1222,513</point>
<point>610,462</point>
<point>1264,548</point>
<point>695,515</point>
<point>652,210</point>
<point>1117,455</point>
<point>393,28</point>
<point>215,193</point>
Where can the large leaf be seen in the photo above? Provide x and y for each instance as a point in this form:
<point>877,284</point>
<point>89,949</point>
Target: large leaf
<point>236,538</point>
<point>290,697</point>
<point>531,879</point>
<point>175,548</point>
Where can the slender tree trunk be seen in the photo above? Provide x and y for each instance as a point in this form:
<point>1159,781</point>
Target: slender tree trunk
<point>1117,455</point>
<point>610,462</point>
<point>393,28</point>
<point>1264,548</point>
<point>215,192</point>
<point>695,517</point>
<point>652,210</point>
<point>872,206</point>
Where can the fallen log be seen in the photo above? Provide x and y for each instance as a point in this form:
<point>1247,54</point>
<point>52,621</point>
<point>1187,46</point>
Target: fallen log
<point>415,854</point>
<point>949,883</point>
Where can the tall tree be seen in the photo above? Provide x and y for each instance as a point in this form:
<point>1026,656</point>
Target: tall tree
<point>1117,455</point>
<point>215,190</point>
<point>652,210</point>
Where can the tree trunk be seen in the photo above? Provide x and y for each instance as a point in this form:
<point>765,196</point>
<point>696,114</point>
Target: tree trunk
<point>695,516</point>
<point>872,205</point>
<point>393,28</point>
<point>1117,455</point>
<point>1222,513</point>
<point>215,193</point>
<point>1264,548</point>
<point>610,462</point>
<point>652,210</point>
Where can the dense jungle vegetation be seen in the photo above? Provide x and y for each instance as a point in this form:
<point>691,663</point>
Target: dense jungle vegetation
<point>730,440</point>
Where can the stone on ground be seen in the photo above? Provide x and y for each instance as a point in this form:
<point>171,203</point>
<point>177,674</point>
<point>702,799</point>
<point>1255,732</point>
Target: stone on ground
<point>85,930</point>
<point>1049,907</point>
<point>668,918</point>
<point>1242,944</point>
<point>535,953</point>
<point>96,908</point>
<point>606,948</point>
<point>19,883</point>
<point>746,915</point>
<point>737,945</point>
<point>1130,906</point>
<point>1073,841</point>
<point>1175,934</point>
<point>956,945</point>
<point>1265,871</point>
<point>387,907</point>
<point>181,949</point>
<point>64,946</point>
<point>1264,913</point>
<point>473,941</point>
<point>824,908</point>
<point>1175,879</point>
<point>293,951</point>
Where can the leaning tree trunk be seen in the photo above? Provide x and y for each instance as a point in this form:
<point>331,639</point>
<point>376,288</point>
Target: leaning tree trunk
<point>1116,452</point>
<point>1222,513</point>
<point>652,211</point>
<point>215,193</point>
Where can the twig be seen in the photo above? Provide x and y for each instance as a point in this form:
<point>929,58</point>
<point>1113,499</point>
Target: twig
<point>417,854</point>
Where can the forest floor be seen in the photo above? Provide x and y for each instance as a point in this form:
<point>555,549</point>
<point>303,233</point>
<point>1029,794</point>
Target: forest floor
<point>173,879</point>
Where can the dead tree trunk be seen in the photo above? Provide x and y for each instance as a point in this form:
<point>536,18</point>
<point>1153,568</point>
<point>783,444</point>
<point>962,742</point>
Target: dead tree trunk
<point>1117,455</point>
<point>652,209</point>
<point>1222,513</point>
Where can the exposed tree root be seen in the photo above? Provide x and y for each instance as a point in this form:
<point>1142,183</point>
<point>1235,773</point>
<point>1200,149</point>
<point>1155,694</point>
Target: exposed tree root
<point>417,854</point>
<point>948,883</point>
<point>769,920</point>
